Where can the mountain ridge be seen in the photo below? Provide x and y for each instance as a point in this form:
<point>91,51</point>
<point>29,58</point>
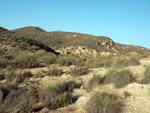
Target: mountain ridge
<point>59,40</point>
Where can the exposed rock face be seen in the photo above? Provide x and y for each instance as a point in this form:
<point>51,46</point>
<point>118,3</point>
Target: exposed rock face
<point>78,51</point>
<point>106,43</point>
<point>103,53</point>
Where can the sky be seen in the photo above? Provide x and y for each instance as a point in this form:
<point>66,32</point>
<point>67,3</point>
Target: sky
<point>124,21</point>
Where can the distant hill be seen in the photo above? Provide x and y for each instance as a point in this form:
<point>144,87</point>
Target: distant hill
<point>2,29</point>
<point>9,39</point>
<point>58,40</point>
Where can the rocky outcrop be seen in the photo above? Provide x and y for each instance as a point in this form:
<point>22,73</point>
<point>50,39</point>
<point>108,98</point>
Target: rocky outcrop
<point>105,43</point>
<point>79,51</point>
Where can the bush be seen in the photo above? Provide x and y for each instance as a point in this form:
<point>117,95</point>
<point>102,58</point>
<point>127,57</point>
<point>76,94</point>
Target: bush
<point>22,76</point>
<point>45,57</point>
<point>96,63</point>
<point>120,62</point>
<point>3,62</point>
<point>2,77</point>
<point>10,75</point>
<point>21,99</point>
<point>103,103</point>
<point>53,71</point>
<point>80,62</point>
<point>102,61</point>
<point>48,59</point>
<point>26,103</point>
<point>146,78</point>
<point>133,62</point>
<point>24,60</point>
<point>119,79</point>
<point>13,98</point>
<point>61,100</point>
<point>66,60</point>
<point>48,93</point>
<point>57,94</point>
<point>68,86</point>
<point>77,71</point>
<point>40,53</point>
<point>95,81</point>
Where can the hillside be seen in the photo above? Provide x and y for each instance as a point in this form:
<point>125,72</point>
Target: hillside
<point>65,74</point>
<point>62,41</point>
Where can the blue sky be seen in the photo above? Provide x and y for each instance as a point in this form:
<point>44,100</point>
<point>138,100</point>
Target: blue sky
<point>124,21</point>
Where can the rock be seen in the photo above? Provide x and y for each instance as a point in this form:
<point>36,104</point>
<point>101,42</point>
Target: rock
<point>104,43</point>
<point>78,51</point>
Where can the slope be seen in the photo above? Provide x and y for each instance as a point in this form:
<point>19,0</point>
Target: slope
<point>59,40</point>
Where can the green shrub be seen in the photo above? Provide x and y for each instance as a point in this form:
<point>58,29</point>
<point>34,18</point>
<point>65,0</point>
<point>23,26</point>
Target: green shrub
<point>95,81</point>
<point>77,71</point>
<point>1,108</point>
<point>40,53</point>
<point>2,76</point>
<point>53,94</point>
<point>22,76</point>
<point>48,59</point>
<point>96,62</point>
<point>48,93</point>
<point>133,62</point>
<point>119,79</point>
<point>146,78</point>
<point>68,86</point>
<point>108,63</point>
<point>120,62</point>
<point>80,62</point>
<point>10,75</point>
<point>54,71</point>
<point>147,72</point>
<point>26,103</point>
<point>103,103</point>
<point>61,100</point>
<point>13,98</point>
<point>24,60</point>
<point>45,57</point>
<point>66,60</point>
<point>3,62</point>
<point>39,75</point>
<point>33,48</point>
<point>21,99</point>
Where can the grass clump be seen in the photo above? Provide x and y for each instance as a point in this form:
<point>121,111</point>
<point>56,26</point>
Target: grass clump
<point>26,103</point>
<point>45,57</point>
<point>94,81</point>
<point>10,75</point>
<point>48,93</point>
<point>133,62</point>
<point>146,78</point>
<point>103,103</point>
<point>61,100</point>
<point>56,96</point>
<point>68,86</point>
<point>81,62</point>
<point>22,76</point>
<point>21,99</point>
<point>54,71</point>
<point>24,60</point>
<point>66,60</point>
<point>119,79</point>
<point>78,71</point>
<point>120,62</point>
<point>3,62</point>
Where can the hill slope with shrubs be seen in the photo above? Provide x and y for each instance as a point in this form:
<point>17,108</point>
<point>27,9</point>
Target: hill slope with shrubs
<point>59,39</point>
<point>34,78</point>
